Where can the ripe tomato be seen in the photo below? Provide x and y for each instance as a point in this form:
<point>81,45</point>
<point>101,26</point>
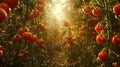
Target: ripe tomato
<point>96,12</point>
<point>116,9</point>
<point>33,38</point>
<point>5,7</point>
<point>31,15</point>
<point>41,26</point>
<point>103,56</point>
<point>87,10</point>
<point>16,38</point>
<point>21,55</point>
<point>27,36</point>
<point>40,42</point>
<point>3,15</point>
<point>36,13</point>
<point>101,39</point>
<point>115,64</point>
<point>99,28</point>
<point>1,53</point>
<point>82,32</point>
<point>116,40</point>
<point>12,3</point>
<point>40,7</point>
<point>21,30</point>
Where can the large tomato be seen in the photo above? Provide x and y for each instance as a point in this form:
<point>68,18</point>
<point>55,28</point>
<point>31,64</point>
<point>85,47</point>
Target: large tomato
<point>21,55</point>
<point>116,9</point>
<point>103,56</point>
<point>101,39</point>
<point>3,15</point>
<point>36,13</point>
<point>40,7</point>
<point>12,3</point>
<point>99,28</point>
<point>5,7</point>
<point>40,42</point>
<point>31,15</point>
<point>116,40</point>
<point>96,12</point>
<point>27,36</point>
<point>1,53</point>
<point>87,10</point>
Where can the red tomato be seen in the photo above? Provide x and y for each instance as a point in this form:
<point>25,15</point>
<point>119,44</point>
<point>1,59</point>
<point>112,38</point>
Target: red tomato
<point>16,38</point>
<point>115,64</point>
<point>1,53</point>
<point>41,26</point>
<point>101,39</point>
<point>96,12</point>
<point>21,31</point>
<point>116,9</point>
<point>12,3</point>
<point>99,28</point>
<point>3,15</point>
<point>27,36</point>
<point>33,38</point>
<point>82,33</point>
<point>5,7</point>
<point>87,10</point>
<point>40,7</point>
<point>20,56</point>
<point>31,15</point>
<point>40,42</point>
<point>116,40</point>
<point>36,13</point>
<point>103,56</point>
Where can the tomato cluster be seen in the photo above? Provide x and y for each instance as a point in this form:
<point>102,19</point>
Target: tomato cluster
<point>95,12</point>
<point>36,12</point>
<point>5,8</point>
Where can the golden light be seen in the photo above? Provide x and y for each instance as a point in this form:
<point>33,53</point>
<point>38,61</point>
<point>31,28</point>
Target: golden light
<point>56,11</point>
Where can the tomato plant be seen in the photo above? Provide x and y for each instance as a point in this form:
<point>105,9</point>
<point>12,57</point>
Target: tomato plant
<point>87,10</point>
<point>103,56</point>
<point>116,9</point>
<point>3,15</point>
<point>101,39</point>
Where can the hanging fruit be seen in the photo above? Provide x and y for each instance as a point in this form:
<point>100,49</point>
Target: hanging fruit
<point>1,53</point>
<point>116,40</point>
<point>5,7</point>
<point>87,10</point>
<point>99,28</point>
<point>3,15</point>
<point>103,56</point>
<point>116,9</point>
<point>12,3</point>
<point>101,39</point>
<point>97,12</point>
